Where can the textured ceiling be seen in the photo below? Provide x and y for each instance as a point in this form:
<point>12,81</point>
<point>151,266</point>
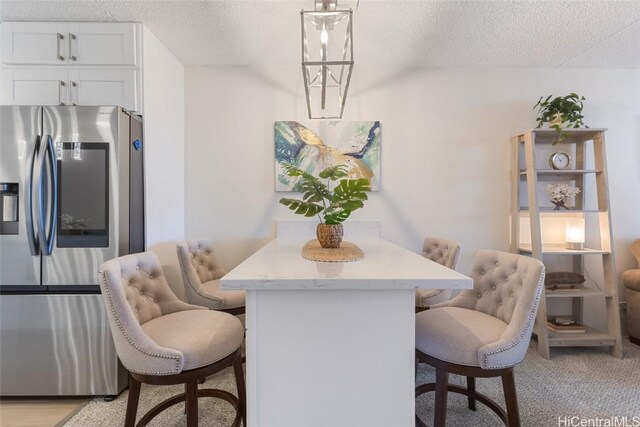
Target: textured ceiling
<point>601,34</point>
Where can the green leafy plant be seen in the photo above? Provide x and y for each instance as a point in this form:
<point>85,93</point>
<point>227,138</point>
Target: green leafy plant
<point>561,111</point>
<point>317,199</point>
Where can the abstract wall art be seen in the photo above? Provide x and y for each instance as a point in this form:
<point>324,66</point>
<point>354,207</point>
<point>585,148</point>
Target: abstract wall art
<point>322,144</point>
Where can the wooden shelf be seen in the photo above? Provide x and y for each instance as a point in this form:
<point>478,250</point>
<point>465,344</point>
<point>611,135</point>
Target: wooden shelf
<point>580,292</point>
<point>584,134</point>
<point>561,250</point>
<point>551,210</point>
<point>562,172</point>
<point>591,338</point>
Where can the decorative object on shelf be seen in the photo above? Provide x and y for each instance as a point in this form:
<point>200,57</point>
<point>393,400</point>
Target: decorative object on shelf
<point>559,160</point>
<point>335,205</point>
<point>563,280</point>
<point>347,252</point>
<point>574,233</point>
<point>560,193</point>
<point>565,325</point>
<point>353,144</point>
<point>327,58</point>
<point>559,112</point>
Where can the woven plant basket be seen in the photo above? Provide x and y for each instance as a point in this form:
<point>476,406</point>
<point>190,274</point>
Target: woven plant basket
<point>330,235</point>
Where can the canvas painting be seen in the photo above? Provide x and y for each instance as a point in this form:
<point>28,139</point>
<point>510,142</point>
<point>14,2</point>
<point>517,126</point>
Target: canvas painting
<point>314,147</point>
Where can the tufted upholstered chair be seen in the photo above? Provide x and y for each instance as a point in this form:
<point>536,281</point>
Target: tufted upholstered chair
<point>201,273</point>
<point>443,252</point>
<point>482,332</point>
<point>162,340</point>
<point>631,281</point>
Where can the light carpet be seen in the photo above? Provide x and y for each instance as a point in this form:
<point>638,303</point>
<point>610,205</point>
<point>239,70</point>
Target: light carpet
<point>583,382</point>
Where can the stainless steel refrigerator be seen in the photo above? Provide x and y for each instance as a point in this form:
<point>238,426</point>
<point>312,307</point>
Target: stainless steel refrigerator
<point>71,197</point>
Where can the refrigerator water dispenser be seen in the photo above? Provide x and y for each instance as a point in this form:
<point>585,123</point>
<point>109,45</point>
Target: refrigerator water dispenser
<point>9,207</point>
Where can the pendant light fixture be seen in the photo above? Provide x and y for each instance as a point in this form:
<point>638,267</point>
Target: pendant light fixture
<point>327,58</point>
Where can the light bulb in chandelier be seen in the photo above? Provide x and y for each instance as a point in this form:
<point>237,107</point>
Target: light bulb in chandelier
<point>324,37</point>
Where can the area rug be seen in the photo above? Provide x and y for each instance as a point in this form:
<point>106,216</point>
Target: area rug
<point>586,383</point>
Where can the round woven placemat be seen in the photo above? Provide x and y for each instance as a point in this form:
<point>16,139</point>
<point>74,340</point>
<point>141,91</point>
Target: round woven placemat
<point>345,253</point>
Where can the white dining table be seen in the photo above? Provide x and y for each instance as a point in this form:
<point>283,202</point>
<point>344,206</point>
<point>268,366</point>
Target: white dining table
<point>333,344</point>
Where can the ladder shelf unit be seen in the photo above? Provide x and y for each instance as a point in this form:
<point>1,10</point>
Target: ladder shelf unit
<point>536,226</point>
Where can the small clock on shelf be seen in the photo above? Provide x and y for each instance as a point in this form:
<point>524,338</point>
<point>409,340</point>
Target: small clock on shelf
<point>559,160</point>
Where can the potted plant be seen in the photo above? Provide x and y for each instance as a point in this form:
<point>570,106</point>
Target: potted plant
<point>559,112</point>
<point>334,206</point>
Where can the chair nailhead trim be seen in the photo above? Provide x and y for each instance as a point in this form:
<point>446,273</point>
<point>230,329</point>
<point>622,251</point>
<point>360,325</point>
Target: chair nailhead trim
<point>524,331</point>
<point>130,341</point>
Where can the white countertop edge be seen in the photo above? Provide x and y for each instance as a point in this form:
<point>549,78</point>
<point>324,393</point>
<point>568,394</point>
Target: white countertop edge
<point>241,279</point>
<point>338,284</point>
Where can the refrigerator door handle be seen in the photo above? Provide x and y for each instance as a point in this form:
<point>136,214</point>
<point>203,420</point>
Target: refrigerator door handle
<point>28,198</point>
<point>47,238</point>
<point>53,180</point>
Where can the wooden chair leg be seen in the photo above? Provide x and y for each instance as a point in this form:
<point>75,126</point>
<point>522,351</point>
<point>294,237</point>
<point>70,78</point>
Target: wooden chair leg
<point>200,381</point>
<point>510,397</point>
<point>242,390</point>
<point>132,402</point>
<point>191,403</point>
<point>442,382</point>
<point>471,386</point>
<point>185,399</point>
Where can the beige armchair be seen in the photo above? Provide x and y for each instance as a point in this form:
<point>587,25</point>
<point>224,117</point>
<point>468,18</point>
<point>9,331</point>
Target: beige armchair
<point>631,282</point>
<point>202,272</point>
<point>482,332</point>
<point>162,340</point>
<point>443,252</point>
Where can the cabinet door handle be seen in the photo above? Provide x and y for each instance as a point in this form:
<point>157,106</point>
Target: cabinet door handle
<point>62,85</point>
<point>71,56</point>
<point>71,97</point>
<point>60,38</point>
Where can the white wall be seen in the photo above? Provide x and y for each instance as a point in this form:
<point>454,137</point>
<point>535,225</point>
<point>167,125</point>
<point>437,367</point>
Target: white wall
<point>164,103</point>
<point>445,149</point>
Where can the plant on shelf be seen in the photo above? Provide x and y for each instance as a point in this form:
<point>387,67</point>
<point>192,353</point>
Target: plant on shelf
<point>559,112</point>
<point>560,193</point>
<point>334,206</point>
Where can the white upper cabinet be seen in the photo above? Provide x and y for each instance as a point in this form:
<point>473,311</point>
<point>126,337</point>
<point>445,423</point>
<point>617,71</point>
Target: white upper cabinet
<point>35,86</point>
<point>102,43</point>
<point>34,43</point>
<point>104,87</point>
<point>71,63</point>
<point>68,43</point>
<point>66,86</point>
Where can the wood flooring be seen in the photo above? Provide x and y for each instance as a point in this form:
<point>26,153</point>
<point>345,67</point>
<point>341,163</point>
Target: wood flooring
<point>38,412</point>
